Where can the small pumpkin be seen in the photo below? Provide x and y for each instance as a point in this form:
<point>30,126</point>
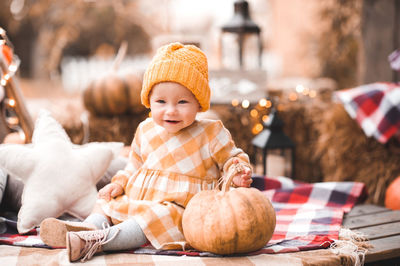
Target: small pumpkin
<point>114,94</point>
<point>241,220</point>
<point>392,198</point>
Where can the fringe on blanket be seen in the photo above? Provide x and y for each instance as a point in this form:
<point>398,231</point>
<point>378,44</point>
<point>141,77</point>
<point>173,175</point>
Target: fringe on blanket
<point>352,245</point>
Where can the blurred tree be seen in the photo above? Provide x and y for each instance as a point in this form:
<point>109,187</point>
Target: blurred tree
<point>52,29</point>
<point>339,42</point>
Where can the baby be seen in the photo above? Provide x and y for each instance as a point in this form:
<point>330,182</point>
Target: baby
<point>173,156</point>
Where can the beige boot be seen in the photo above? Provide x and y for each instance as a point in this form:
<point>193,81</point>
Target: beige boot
<point>53,231</point>
<point>83,245</point>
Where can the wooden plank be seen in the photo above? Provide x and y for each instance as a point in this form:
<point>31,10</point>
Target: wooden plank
<point>380,231</point>
<point>381,226</point>
<point>356,222</point>
<point>365,209</point>
<point>384,248</point>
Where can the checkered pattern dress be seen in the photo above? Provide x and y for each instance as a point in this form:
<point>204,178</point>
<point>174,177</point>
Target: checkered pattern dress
<point>164,172</point>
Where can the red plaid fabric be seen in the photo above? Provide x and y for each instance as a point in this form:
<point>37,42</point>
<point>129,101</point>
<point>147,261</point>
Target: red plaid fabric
<point>309,216</point>
<point>376,108</point>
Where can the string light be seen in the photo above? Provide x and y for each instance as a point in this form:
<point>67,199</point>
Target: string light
<point>293,96</point>
<point>262,102</point>
<point>13,67</point>
<point>245,104</point>
<point>265,118</point>
<point>257,128</point>
<point>259,114</point>
<point>254,113</point>
<point>261,111</point>
<point>306,91</point>
<point>235,102</point>
<point>300,88</point>
<point>10,102</point>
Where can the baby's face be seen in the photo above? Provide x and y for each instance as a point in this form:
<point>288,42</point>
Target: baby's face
<point>173,106</point>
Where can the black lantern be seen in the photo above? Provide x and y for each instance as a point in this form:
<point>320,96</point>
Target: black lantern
<point>273,139</point>
<point>242,25</point>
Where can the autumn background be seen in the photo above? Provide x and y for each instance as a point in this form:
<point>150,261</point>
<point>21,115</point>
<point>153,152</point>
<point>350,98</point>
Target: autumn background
<point>308,45</point>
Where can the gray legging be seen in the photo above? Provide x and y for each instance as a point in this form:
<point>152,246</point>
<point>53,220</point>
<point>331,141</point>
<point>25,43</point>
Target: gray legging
<point>128,234</point>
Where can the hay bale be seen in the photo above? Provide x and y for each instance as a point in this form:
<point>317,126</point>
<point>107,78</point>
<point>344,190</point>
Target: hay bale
<point>300,121</point>
<point>346,154</point>
<point>239,124</point>
<point>299,124</point>
<point>67,111</point>
<point>114,128</point>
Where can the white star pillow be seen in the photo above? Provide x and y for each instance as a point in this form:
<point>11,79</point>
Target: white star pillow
<point>59,176</point>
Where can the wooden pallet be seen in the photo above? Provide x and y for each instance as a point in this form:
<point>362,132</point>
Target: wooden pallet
<point>382,227</point>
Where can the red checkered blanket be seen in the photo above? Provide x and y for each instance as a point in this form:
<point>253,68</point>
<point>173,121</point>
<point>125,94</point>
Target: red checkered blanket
<point>376,108</point>
<point>309,216</point>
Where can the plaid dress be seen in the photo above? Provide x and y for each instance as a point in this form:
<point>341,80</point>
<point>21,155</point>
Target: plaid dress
<point>164,172</point>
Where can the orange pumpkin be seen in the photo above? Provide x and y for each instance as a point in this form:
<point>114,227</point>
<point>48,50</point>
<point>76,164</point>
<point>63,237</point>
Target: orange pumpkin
<point>114,95</point>
<point>392,198</point>
<point>229,221</point>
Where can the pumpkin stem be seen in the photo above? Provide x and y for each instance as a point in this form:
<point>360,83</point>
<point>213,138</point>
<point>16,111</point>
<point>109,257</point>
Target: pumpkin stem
<point>120,55</point>
<point>238,167</point>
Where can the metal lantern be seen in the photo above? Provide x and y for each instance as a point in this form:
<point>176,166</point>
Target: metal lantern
<point>241,25</point>
<point>273,139</point>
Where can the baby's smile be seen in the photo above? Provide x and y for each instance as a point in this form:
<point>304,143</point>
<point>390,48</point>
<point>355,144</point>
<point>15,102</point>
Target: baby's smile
<point>172,121</point>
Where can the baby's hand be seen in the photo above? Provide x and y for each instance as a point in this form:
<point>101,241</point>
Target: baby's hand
<point>111,190</point>
<point>242,178</point>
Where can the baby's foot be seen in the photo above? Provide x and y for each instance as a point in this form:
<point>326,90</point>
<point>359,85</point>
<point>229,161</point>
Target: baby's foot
<point>53,231</point>
<point>83,245</point>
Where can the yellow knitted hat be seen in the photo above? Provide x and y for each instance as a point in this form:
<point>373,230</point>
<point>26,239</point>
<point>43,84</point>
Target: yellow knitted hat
<point>184,64</point>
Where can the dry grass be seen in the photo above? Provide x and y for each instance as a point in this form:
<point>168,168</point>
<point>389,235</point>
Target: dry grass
<point>346,154</point>
<point>115,128</point>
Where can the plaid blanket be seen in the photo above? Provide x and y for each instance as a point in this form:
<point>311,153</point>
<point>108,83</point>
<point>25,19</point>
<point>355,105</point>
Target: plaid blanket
<point>376,108</point>
<point>309,216</point>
